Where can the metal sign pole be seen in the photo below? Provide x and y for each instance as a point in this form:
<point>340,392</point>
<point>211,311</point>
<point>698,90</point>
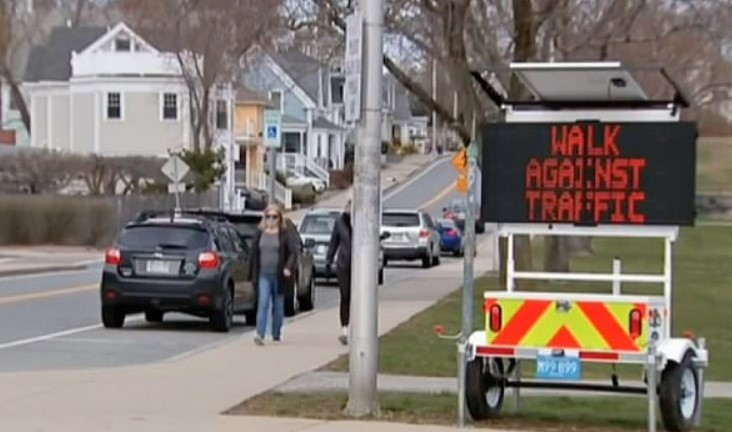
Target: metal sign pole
<point>177,191</point>
<point>272,179</point>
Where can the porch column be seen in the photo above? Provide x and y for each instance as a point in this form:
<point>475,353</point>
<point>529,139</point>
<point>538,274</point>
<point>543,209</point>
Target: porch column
<point>302,143</point>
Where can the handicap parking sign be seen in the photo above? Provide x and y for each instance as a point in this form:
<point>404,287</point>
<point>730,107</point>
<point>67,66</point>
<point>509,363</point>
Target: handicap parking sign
<point>272,128</point>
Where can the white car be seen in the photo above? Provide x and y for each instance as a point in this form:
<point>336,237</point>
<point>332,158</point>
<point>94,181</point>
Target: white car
<point>296,179</point>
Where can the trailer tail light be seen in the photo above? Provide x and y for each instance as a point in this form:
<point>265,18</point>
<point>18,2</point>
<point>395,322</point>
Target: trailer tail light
<point>208,260</point>
<point>635,324</point>
<point>495,317</point>
<point>112,257</point>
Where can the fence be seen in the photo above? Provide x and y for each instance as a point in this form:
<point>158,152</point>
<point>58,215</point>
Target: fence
<point>80,220</point>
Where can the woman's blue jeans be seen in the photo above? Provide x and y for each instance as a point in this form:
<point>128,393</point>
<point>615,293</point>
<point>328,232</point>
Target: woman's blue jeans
<point>268,299</point>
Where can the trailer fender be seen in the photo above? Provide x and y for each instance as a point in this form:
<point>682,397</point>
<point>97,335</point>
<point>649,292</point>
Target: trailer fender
<point>674,349</point>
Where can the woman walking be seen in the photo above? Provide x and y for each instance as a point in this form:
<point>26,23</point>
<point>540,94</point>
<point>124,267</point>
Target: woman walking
<point>273,260</point>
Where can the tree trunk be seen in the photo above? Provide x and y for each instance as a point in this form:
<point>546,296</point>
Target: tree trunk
<point>16,95</point>
<point>580,246</point>
<point>556,254</point>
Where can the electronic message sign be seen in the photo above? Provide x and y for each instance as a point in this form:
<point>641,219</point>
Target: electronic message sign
<point>589,173</point>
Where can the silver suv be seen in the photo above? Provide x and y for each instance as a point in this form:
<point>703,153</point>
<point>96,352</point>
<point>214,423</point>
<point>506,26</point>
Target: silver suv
<point>413,236</point>
<point>316,228</point>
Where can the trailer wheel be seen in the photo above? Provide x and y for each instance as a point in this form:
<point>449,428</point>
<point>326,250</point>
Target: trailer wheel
<point>483,390</point>
<point>678,394</point>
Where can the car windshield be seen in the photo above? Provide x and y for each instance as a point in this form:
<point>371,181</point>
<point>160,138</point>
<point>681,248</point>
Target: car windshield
<point>400,219</point>
<point>446,223</point>
<point>457,206</point>
<point>163,236</point>
<point>318,224</point>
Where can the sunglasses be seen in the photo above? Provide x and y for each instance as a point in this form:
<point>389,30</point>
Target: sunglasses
<point>272,217</point>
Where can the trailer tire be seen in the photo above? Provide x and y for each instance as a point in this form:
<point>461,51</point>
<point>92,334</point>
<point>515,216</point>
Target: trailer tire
<point>678,394</point>
<point>484,391</point>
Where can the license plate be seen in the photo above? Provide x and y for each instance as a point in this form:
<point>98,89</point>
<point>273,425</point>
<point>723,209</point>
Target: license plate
<point>160,267</point>
<point>320,249</point>
<point>400,237</point>
<point>558,368</point>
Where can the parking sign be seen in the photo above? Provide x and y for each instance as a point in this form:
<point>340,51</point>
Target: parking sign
<point>272,128</point>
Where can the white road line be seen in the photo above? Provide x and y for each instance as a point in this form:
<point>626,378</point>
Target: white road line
<point>69,332</point>
<point>408,182</point>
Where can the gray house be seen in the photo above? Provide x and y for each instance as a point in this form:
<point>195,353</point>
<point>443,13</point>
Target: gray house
<point>106,91</point>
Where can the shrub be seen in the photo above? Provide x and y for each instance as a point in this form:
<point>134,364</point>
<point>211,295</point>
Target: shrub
<point>303,194</point>
<point>49,219</point>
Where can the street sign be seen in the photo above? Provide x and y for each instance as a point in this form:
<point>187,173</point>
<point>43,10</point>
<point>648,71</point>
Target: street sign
<point>460,161</point>
<point>354,62</point>
<point>176,188</point>
<point>175,169</point>
<point>272,128</point>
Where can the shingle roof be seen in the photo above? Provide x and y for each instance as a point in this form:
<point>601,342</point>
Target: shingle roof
<point>246,95</point>
<point>304,70</point>
<point>52,61</point>
<point>324,123</point>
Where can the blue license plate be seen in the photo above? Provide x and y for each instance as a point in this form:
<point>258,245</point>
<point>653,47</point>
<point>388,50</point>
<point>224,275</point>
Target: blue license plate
<point>558,368</point>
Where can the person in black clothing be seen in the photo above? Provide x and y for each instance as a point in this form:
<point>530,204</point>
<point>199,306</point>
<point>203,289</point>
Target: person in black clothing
<point>340,242</point>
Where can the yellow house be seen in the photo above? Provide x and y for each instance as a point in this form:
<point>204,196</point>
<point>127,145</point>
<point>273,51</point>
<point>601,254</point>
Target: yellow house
<point>248,124</point>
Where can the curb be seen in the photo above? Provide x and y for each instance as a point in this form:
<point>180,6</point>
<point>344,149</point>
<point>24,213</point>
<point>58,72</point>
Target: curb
<point>41,270</point>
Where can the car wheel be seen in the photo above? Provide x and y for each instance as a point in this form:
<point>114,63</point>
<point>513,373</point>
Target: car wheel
<point>427,259</point>
<point>480,227</point>
<point>307,301</point>
<point>381,276</point>
<point>154,316</point>
<point>221,319</point>
<point>113,316</point>
<point>436,259</point>
<point>291,299</point>
<point>386,262</point>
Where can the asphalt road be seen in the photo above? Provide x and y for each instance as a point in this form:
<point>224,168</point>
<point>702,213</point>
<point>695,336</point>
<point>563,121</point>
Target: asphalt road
<point>51,321</point>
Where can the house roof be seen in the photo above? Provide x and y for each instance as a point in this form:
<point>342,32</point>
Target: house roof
<point>324,123</point>
<point>52,61</point>
<point>293,121</point>
<point>303,69</point>
<point>248,96</point>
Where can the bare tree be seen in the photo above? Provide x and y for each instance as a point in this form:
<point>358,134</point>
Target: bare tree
<point>209,38</point>
<point>14,29</point>
<point>41,171</point>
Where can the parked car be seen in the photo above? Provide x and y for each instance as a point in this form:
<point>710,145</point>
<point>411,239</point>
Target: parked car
<point>295,178</point>
<point>177,263</point>
<point>413,235</point>
<point>300,292</point>
<point>451,237</point>
<point>456,210</point>
<point>254,199</point>
<point>316,228</point>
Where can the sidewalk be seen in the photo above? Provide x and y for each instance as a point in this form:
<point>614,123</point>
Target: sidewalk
<point>321,381</point>
<point>154,397</point>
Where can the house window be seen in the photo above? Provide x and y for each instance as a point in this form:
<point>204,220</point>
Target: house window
<point>123,44</point>
<point>221,115</point>
<point>276,97</point>
<point>170,106</point>
<point>336,90</point>
<point>114,106</point>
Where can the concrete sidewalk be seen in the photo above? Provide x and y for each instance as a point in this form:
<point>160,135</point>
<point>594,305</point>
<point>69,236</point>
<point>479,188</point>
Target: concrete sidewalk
<point>338,381</point>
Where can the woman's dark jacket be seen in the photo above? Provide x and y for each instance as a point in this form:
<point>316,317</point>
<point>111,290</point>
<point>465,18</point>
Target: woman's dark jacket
<point>340,243</point>
<point>288,258</point>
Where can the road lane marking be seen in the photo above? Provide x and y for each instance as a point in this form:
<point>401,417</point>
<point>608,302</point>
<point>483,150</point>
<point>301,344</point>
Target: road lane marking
<point>410,181</point>
<point>47,294</point>
<point>440,195</point>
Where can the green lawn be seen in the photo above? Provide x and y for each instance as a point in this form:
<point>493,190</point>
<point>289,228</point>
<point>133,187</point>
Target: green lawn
<point>714,165</point>
<point>591,414</point>
<point>702,296</point>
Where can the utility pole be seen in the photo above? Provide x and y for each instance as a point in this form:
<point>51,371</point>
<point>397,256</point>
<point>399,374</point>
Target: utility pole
<point>434,113</point>
<point>363,398</point>
<point>468,275</point>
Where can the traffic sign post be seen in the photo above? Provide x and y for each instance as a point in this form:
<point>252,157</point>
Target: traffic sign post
<point>175,169</point>
<point>272,142</point>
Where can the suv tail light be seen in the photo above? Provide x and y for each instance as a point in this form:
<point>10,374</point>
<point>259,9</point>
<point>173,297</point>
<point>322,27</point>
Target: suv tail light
<point>208,260</point>
<point>112,256</point>
<point>451,233</point>
<point>424,233</point>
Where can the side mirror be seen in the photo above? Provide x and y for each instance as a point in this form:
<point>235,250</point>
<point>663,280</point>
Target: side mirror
<point>385,235</point>
<point>309,243</point>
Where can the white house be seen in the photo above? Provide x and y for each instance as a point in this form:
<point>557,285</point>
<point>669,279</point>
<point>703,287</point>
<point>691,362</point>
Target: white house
<point>106,91</point>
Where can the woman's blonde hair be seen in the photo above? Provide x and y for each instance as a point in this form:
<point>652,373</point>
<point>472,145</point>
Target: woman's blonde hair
<point>273,208</point>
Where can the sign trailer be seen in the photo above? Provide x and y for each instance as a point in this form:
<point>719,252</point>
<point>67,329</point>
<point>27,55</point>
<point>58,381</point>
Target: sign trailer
<point>590,155</point>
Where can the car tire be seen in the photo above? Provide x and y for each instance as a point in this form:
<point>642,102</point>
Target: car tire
<point>291,299</point>
<point>458,252</point>
<point>480,227</point>
<point>678,394</point>
<point>307,301</point>
<point>381,276</point>
<point>222,319</point>
<point>250,316</point>
<point>436,260</point>
<point>386,262</point>
<point>113,316</point>
<point>154,316</point>
<point>427,260</point>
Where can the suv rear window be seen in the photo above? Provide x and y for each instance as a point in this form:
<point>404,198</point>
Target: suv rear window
<point>400,219</point>
<point>318,224</point>
<point>151,237</point>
